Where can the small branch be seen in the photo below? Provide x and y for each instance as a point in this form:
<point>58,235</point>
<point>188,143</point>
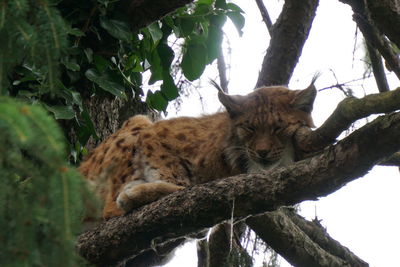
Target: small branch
<point>222,71</point>
<point>377,68</point>
<point>282,230</point>
<point>205,205</point>
<point>319,235</point>
<point>347,112</point>
<point>265,15</point>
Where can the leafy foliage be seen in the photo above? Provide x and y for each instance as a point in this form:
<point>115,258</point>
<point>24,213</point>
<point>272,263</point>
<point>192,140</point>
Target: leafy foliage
<point>69,51</point>
<point>53,56</point>
<point>40,195</point>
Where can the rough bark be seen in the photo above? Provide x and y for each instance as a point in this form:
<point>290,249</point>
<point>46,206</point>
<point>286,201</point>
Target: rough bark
<point>300,242</point>
<point>108,114</point>
<point>287,40</point>
<point>205,205</point>
<point>386,16</point>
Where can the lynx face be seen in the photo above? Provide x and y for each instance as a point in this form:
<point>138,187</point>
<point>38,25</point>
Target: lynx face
<point>264,122</point>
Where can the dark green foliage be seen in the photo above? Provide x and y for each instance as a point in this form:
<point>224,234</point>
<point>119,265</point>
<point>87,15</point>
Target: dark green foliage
<point>60,52</point>
<point>54,55</point>
<point>40,195</point>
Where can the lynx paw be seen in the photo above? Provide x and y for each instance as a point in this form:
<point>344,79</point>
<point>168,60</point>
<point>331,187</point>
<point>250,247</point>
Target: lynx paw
<point>137,195</point>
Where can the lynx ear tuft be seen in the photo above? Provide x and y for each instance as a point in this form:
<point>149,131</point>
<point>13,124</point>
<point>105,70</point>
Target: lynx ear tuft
<point>232,103</point>
<point>304,99</point>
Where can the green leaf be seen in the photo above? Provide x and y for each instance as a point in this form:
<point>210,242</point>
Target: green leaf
<point>61,112</point>
<point>86,129</point>
<point>72,66</point>
<point>105,83</point>
<point>220,4</point>
<point>156,100</point>
<point>202,9</point>
<point>238,20</point>
<point>194,60</point>
<point>166,55</point>
<point>89,54</point>
<point>116,28</point>
<point>234,7</point>
<point>101,63</point>
<point>168,88</point>
<point>155,31</point>
<point>205,2</point>
<point>155,67</point>
<point>76,32</point>
<point>186,26</point>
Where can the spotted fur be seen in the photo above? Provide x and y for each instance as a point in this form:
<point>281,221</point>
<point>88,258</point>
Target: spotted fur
<point>144,160</point>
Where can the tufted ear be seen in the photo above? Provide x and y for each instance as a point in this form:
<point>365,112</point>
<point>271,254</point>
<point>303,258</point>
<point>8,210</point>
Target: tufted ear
<point>304,99</point>
<point>232,103</point>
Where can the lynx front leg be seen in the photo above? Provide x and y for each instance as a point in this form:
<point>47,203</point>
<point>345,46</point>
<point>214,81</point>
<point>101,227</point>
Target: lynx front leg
<point>136,194</point>
<point>157,172</point>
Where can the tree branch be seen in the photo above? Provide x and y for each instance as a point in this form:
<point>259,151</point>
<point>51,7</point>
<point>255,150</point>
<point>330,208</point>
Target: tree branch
<point>379,42</point>
<point>371,33</point>
<point>320,236</point>
<point>205,205</point>
<point>378,69</point>
<point>265,15</point>
<point>347,112</point>
<point>287,40</point>
<point>300,242</point>
<point>386,16</point>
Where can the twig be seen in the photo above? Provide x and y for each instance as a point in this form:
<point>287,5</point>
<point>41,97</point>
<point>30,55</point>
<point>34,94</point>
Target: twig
<point>265,15</point>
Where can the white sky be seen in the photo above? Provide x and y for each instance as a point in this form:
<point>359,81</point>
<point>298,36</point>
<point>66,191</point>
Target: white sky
<point>363,215</point>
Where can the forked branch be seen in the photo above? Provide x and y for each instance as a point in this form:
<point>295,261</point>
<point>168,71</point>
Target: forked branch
<point>347,112</point>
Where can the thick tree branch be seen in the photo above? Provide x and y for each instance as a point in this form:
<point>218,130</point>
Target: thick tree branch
<point>371,33</point>
<point>347,112</point>
<point>288,37</point>
<point>141,13</point>
<point>285,232</point>
<point>205,205</point>
<point>386,16</point>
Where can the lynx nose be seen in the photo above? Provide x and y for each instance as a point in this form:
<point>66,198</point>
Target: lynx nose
<point>262,153</point>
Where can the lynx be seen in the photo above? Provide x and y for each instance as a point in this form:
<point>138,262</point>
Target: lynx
<point>145,160</point>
